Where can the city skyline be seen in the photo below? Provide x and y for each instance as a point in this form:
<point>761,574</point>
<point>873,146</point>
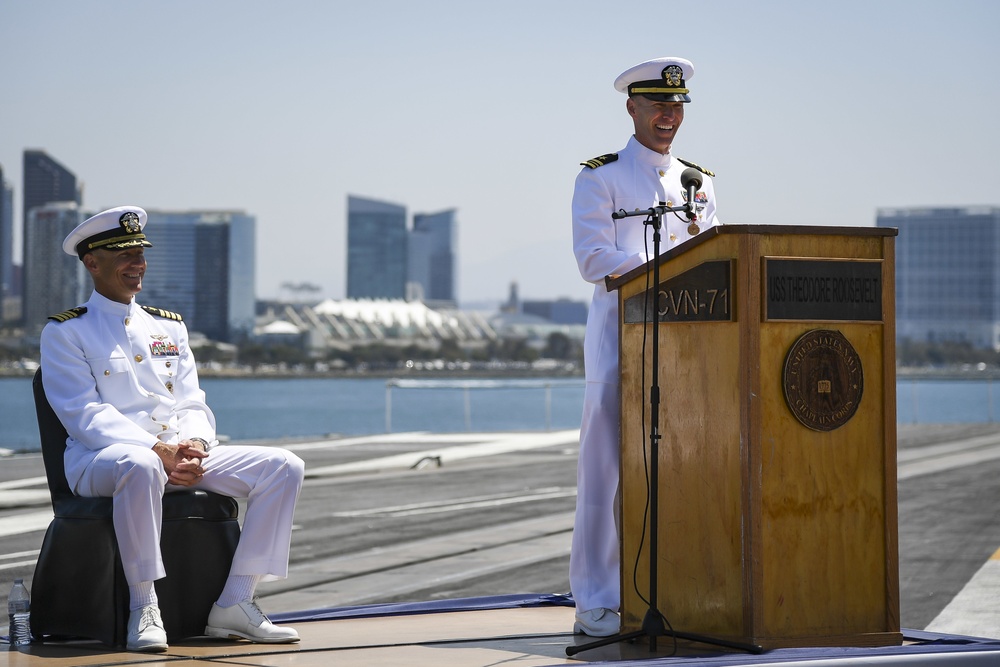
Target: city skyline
<point>808,113</point>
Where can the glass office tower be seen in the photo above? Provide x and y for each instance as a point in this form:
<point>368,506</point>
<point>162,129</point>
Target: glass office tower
<point>202,266</point>
<point>53,280</point>
<point>6,243</point>
<point>432,251</point>
<point>376,249</point>
<point>947,274</point>
<point>44,181</point>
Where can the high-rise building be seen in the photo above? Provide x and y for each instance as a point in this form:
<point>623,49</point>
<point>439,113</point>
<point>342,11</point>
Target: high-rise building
<point>6,244</point>
<point>44,181</point>
<point>947,274</point>
<point>431,256</point>
<point>376,249</point>
<point>53,280</point>
<point>202,265</point>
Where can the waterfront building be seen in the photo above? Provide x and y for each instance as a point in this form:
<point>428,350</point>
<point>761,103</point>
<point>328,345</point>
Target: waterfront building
<point>350,323</point>
<point>535,322</point>
<point>431,257</point>
<point>559,311</point>
<point>44,181</point>
<point>202,265</point>
<point>6,244</point>
<point>386,260</point>
<point>947,274</point>
<point>376,249</point>
<point>54,281</point>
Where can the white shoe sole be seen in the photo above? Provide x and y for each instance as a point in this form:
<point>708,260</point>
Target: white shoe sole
<point>147,648</point>
<point>580,629</point>
<point>226,633</point>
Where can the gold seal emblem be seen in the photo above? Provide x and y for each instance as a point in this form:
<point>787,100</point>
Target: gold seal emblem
<point>673,75</point>
<point>130,222</point>
<point>823,380</point>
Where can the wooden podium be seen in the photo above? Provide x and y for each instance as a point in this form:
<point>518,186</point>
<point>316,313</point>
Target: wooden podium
<point>777,462</point>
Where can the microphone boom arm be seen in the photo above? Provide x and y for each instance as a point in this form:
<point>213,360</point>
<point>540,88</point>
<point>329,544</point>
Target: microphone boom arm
<point>652,212</point>
<point>690,180</point>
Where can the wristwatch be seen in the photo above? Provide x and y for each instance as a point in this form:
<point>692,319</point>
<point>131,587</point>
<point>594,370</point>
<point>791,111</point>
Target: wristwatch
<point>203,442</point>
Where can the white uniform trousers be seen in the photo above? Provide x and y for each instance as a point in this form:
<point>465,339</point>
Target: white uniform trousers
<point>269,478</point>
<point>594,568</point>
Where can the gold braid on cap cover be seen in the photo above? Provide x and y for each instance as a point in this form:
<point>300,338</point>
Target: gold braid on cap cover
<point>116,239</point>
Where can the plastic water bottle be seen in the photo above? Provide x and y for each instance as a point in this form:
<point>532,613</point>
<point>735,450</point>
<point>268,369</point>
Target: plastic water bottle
<point>19,608</point>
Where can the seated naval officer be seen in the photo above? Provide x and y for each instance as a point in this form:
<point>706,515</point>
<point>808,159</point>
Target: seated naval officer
<point>123,382</point>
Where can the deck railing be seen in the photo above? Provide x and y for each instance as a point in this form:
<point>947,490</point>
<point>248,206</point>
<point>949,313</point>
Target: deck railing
<point>545,387</point>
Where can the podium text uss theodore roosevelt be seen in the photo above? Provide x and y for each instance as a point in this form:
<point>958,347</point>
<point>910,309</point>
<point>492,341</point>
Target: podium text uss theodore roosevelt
<point>823,289</point>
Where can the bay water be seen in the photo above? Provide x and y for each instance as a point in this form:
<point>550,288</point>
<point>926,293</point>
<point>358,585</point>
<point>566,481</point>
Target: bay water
<point>276,408</point>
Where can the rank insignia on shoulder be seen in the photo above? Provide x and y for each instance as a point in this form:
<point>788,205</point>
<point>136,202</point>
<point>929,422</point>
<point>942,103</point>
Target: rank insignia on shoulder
<point>600,161</point>
<point>166,314</point>
<point>69,314</point>
<point>707,172</point>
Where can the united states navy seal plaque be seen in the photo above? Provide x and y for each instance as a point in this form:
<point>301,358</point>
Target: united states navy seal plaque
<point>823,380</point>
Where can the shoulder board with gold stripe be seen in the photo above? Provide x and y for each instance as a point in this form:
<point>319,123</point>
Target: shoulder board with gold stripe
<point>166,314</point>
<point>707,172</point>
<point>69,314</point>
<point>600,161</point>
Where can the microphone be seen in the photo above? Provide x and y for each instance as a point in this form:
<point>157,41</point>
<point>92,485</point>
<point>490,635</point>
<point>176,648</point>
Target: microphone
<point>691,181</point>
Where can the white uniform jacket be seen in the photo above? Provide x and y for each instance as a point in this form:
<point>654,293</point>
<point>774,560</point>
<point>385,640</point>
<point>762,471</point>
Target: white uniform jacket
<point>118,374</point>
<point>639,179</point>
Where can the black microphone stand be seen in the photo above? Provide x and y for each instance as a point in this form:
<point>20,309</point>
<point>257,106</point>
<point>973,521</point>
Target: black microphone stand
<point>652,623</point>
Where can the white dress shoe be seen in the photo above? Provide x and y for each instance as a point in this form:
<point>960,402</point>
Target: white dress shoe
<point>145,630</point>
<point>598,622</point>
<point>246,620</point>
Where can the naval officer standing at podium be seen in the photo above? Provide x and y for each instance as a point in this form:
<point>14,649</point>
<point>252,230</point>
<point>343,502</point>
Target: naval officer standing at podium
<point>642,175</point>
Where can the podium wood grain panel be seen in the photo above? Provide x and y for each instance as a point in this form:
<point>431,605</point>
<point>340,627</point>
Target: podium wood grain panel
<point>770,532</point>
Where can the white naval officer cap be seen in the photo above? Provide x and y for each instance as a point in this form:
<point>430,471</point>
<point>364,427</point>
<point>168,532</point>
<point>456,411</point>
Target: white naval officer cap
<point>114,229</point>
<point>660,79</point>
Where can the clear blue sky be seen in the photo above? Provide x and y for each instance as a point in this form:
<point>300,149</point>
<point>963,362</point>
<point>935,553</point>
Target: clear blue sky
<point>809,112</point>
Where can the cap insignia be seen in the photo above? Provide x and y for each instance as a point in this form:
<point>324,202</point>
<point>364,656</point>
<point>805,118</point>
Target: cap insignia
<point>130,222</point>
<point>673,75</point>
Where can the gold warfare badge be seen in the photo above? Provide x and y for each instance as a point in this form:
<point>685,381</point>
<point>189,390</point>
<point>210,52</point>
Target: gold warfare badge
<point>823,380</point>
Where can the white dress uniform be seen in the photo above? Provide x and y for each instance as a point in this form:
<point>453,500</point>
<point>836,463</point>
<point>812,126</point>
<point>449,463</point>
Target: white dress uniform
<point>637,178</point>
<point>121,378</point>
